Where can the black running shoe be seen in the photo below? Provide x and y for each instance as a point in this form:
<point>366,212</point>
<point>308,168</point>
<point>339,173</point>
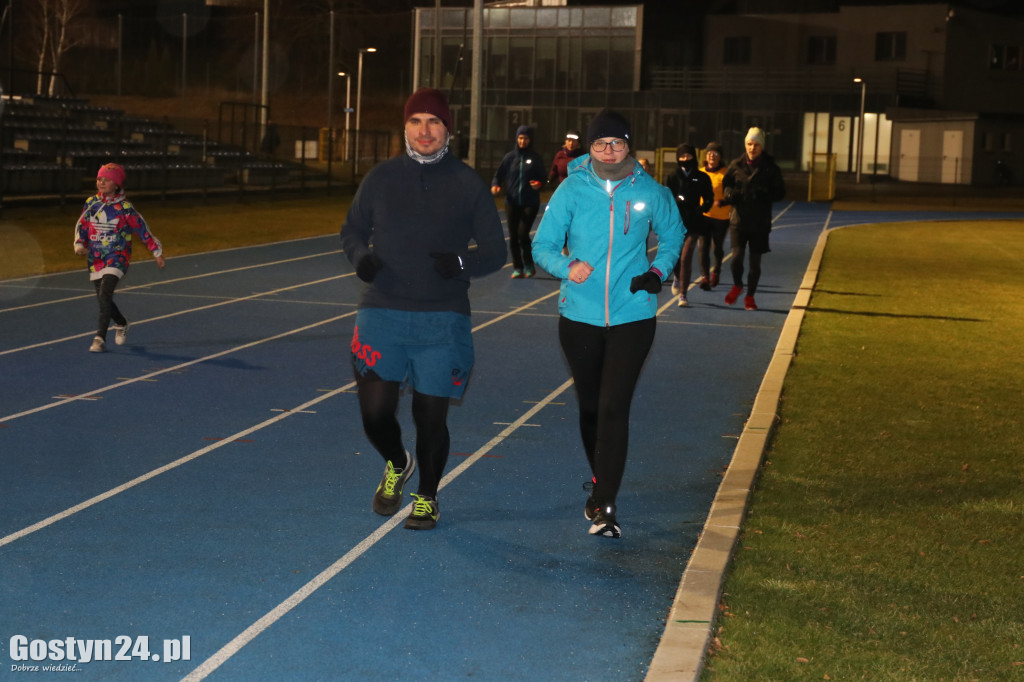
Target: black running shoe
<point>604,523</point>
<point>388,498</point>
<point>425,513</point>
<point>588,511</point>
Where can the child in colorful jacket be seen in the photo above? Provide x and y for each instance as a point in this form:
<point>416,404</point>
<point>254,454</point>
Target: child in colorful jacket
<point>104,235</point>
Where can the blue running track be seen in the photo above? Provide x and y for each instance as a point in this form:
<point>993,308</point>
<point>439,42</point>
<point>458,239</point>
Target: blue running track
<point>207,485</point>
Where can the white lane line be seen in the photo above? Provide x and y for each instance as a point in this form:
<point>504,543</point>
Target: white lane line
<point>70,511</point>
<point>188,458</point>
<point>186,311</point>
<point>175,368</point>
<point>300,595</point>
<point>173,281</point>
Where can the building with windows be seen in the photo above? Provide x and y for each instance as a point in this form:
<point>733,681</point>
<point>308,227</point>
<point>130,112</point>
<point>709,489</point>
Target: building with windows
<point>940,85</point>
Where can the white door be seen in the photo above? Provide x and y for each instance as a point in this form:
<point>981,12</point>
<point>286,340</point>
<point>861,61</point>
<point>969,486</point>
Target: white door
<point>910,154</point>
<point>952,156</point>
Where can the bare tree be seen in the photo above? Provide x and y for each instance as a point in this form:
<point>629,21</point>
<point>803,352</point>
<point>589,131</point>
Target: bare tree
<point>53,27</point>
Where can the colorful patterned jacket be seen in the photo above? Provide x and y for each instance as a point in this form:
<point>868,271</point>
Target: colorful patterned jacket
<point>106,228</point>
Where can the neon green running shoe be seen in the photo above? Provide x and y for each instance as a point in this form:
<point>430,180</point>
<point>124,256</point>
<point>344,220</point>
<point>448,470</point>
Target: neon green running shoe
<point>425,513</point>
<point>388,498</point>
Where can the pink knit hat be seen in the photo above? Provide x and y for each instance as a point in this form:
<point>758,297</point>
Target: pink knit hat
<point>112,172</point>
<point>429,101</point>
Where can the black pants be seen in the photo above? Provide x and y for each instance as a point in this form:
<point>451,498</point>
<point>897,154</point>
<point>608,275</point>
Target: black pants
<point>715,245</point>
<point>108,309</point>
<point>740,241</point>
<point>378,405</point>
<point>605,363</point>
<point>520,222</point>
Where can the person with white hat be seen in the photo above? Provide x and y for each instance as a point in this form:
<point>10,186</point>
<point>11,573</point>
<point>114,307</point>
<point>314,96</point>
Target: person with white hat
<point>751,184</point>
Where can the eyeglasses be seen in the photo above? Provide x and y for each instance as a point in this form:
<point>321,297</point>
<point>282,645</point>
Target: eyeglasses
<point>601,145</point>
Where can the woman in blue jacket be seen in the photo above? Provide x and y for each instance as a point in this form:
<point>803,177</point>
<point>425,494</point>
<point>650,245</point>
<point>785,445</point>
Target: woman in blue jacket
<point>608,302</point>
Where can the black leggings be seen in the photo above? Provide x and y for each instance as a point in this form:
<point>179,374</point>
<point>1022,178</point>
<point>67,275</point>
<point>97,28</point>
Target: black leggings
<point>605,363</point>
<point>378,405</point>
<point>739,246</point>
<point>714,243</point>
<point>108,309</point>
<point>520,222</point>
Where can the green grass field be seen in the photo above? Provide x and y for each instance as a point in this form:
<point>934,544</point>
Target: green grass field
<point>40,240</point>
<point>884,537</point>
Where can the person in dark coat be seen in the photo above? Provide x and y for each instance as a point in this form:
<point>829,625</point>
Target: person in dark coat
<point>522,173</point>
<point>694,197</point>
<point>751,185</point>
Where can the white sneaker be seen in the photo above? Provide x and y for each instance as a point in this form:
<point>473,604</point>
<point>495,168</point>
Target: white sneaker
<point>98,345</point>
<point>120,333</point>
<point>675,286</point>
<point>682,301</point>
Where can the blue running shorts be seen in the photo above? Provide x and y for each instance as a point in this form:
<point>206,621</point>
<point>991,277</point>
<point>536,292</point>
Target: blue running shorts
<point>433,351</point>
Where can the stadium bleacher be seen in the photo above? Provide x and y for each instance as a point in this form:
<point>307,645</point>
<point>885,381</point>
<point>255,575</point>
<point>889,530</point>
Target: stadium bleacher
<point>54,145</point>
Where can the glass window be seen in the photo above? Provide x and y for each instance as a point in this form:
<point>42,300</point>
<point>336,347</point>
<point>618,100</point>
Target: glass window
<point>997,57</point>
<point>496,59</point>
<point>890,46</point>
<point>597,17</point>
<point>451,65</point>
<point>575,53</point>
<point>624,17</point>
<point>821,50</point>
<point>520,71</point>
<point>454,18</point>
<point>1012,58</point>
<point>736,50</point>
<point>547,18</point>
<point>544,63</point>
<point>496,17</point>
<point>623,58</point>
<point>521,18</point>
<point>595,63</point>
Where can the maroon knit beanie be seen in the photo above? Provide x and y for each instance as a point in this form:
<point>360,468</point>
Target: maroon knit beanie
<point>429,101</point>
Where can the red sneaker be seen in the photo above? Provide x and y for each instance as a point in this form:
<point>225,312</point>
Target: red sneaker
<point>714,278</point>
<point>733,294</point>
<point>749,304</point>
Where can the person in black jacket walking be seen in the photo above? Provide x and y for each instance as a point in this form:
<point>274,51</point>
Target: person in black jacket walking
<point>694,197</point>
<point>523,172</point>
<point>751,184</point>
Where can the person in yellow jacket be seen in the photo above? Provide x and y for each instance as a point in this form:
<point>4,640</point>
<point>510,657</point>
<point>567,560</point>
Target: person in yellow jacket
<point>716,219</point>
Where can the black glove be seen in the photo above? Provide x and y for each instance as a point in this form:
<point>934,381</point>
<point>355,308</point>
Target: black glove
<point>448,265</point>
<point>648,281</point>
<point>368,267</point>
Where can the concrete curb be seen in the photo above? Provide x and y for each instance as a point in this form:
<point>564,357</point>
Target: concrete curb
<point>681,653</point>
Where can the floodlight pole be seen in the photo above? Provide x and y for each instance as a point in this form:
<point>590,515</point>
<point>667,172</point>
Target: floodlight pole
<point>860,127</point>
<point>359,101</point>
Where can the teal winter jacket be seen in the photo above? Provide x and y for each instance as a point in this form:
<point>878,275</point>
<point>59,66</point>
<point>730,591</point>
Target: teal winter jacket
<point>606,224</point>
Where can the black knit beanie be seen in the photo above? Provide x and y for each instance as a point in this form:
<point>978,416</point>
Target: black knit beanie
<point>608,123</point>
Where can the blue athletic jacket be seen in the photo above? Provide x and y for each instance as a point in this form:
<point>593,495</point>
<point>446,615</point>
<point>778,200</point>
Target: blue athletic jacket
<point>607,224</point>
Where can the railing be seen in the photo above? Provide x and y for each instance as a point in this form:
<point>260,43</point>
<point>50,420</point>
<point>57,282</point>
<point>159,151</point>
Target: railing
<point>902,82</point>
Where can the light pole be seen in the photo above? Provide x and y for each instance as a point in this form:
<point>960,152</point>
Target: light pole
<point>860,127</point>
<point>348,107</point>
<point>359,99</point>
